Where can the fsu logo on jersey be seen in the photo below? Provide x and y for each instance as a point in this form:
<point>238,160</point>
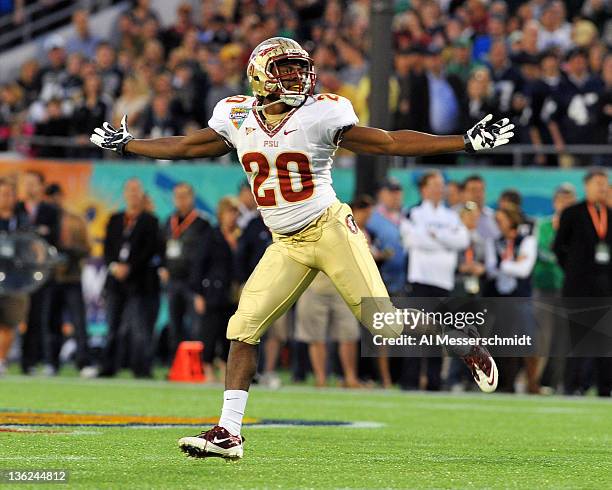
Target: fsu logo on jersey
<point>238,115</point>
<point>350,223</point>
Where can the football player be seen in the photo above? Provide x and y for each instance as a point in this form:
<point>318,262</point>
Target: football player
<point>285,137</point>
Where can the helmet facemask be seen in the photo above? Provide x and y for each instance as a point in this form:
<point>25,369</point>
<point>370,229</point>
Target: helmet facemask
<point>291,78</point>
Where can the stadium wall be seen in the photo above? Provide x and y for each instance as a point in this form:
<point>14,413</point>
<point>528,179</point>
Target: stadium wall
<point>94,188</point>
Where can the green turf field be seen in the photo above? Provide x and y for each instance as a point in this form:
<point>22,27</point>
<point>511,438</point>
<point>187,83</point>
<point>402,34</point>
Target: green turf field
<point>426,441</point>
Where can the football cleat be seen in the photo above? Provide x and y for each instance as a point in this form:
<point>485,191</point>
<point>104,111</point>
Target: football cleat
<point>216,442</point>
<point>483,368</point>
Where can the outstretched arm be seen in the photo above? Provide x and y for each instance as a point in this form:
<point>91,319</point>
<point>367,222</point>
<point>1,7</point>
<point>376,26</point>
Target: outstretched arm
<point>375,141</point>
<point>380,142</point>
<point>203,143</point>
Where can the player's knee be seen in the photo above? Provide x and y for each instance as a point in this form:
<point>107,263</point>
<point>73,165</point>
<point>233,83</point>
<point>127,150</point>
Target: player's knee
<point>380,317</point>
<point>239,329</point>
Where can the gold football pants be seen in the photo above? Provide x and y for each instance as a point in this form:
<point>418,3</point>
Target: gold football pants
<point>331,244</point>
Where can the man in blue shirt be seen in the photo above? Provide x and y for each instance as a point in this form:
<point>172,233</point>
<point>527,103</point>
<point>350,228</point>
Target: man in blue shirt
<point>384,225</point>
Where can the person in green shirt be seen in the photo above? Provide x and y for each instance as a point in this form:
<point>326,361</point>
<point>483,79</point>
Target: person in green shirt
<point>547,282</point>
<point>460,62</point>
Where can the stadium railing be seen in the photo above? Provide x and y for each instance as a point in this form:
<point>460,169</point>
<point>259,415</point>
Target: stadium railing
<point>518,153</point>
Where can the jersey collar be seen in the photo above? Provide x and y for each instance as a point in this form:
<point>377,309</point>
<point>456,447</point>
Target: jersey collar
<point>277,128</point>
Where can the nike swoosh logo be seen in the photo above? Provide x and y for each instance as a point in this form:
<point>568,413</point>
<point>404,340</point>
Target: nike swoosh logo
<point>491,380</point>
<point>219,441</point>
<point>231,398</point>
<point>287,132</point>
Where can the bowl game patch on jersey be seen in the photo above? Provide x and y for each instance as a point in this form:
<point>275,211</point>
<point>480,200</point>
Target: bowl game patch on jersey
<point>238,114</point>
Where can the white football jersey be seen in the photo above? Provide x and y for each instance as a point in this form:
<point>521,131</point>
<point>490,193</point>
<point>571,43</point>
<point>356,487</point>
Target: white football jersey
<point>288,167</point>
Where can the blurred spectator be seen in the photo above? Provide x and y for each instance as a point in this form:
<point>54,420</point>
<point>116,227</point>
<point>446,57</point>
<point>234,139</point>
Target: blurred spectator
<point>444,100</point>
<point>29,80</point>
<point>512,199</point>
<point>129,246</point>
<point>158,119</point>
<point>461,63</point>
<point>495,33</point>
<point>468,283</point>
<point>142,12</point>
<point>107,69</point>
<point>322,316</point>
<point>555,31</point>
<point>246,205</point>
<point>43,218</point>
<point>153,55</point>
<point>53,128</point>
<point>510,261</point>
<point>547,283</point>
<point>604,108</point>
<point>173,35</point>
<point>74,83</point>
<point>213,30</point>
<point>363,208</point>
<point>574,120</point>
<point>474,190</point>
<point>65,293</point>
<point>582,246</point>
<point>481,96</point>
<point>90,113</point>
<point>190,87</point>
<point>433,236</point>
<point>133,101</point>
<point>506,77</point>
<point>83,42</point>
<point>471,261</point>
<point>543,93</point>
<point>219,87</point>
<point>355,64</point>
<point>385,224</point>
<point>53,76</point>
<point>214,287</point>
<point>13,307</point>
<point>186,233</point>
<point>11,106</point>
<point>454,195</point>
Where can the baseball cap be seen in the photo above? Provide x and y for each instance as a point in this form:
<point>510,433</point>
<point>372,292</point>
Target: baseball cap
<point>565,188</point>
<point>54,41</point>
<point>391,184</point>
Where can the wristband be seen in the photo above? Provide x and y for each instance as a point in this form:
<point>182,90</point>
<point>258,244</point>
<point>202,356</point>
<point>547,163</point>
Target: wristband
<point>121,146</point>
<point>468,144</point>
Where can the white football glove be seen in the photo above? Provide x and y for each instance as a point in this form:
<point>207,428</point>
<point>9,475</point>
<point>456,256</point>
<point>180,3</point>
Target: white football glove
<point>110,138</point>
<point>484,136</point>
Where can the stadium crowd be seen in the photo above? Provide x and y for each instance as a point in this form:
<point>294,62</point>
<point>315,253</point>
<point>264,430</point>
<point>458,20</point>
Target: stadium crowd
<point>546,64</point>
<point>451,244</point>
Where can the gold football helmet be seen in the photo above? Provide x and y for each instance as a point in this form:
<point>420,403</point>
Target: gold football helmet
<point>280,66</point>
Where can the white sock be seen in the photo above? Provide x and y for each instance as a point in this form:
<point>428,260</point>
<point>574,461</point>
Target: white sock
<point>234,404</point>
